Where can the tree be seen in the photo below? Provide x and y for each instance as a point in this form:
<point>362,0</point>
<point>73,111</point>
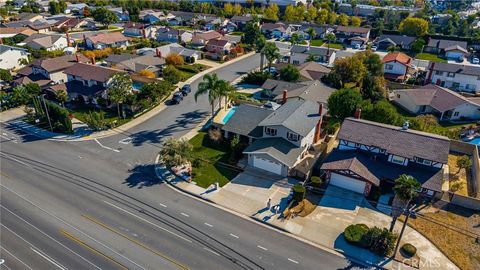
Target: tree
<point>311,14</point>
<point>172,74</point>
<point>252,33</point>
<point>342,19</point>
<point>104,16</point>
<point>228,10</point>
<point>372,62</point>
<point>463,162</point>
<point>294,39</point>
<point>174,59</point>
<point>86,12</point>
<point>343,103</point>
<point>355,21</point>
<point>289,73</point>
<point>176,152</point>
<point>20,96</point>
<point>271,53</point>
<point>53,8</point>
<point>118,90</point>
<point>349,70</point>
<point>62,96</point>
<point>271,12</point>
<point>209,85</point>
<point>155,91</point>
<point>414,27</point>
<point>5,75</point>
<point>406,189</point>
<point>382,112</point>
<point>290,14</point>
<point>259,45</point>
<point>417,46</point>
<point>146,73</point>
<point>311,35</point>
<point>322,16</point>
<point>330,37</point>
<point>374,88</point>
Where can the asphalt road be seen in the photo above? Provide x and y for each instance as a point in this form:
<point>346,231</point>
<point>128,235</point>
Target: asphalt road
<point>85,206</point>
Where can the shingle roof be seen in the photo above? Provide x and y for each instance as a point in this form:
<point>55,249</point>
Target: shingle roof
<point>273,26</point>
<point>456,47</point>
<point>16,30</point>
<point>114,59</point>
<point>298,115</point>
<point>405,143</point>
<point>398,57</point>
<point>277,86</point>
<point>312,91</point>
<point>313,71</point>
<point>41,40</point>
<point>245,120</point>
<point>138,63</point>
<point>439,98</point>
<point>208,35</point>
<point>351,29</point>
<point>398,39</point>
<point>241,18</point>
<point>312,50</point>
<point>218,42</point>
<point>108,38</point>
<point>278,148</point>
<point>461,69</point>
<point>58,63</point>
<point>91,72</point>
<point>444,43</point>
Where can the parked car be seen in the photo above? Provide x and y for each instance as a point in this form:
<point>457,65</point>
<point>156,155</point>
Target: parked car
<point>186,89</point>
<point>460,59</point>
<point>475,61</point>
<point>272,70</point>
<point>177,98</point>
<point>357,46</point>
<point>374,48</point>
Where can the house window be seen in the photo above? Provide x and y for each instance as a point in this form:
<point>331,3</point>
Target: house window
<point>382,151</point>
<point>270,131</point>
<point>388,66</point>
<point>423,161</point>
<point>357,145</point>
<point>292,136</point>
<point>470,87</point>
<point>296,62</point>
<point>456,113</point>
<point>398,160</point>
<point>455,85</point>
<point>438,72</point>
<point>451,74</point>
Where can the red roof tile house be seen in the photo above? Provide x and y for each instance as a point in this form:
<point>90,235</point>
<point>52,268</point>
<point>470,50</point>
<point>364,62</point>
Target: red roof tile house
<point>397,66</point>
<point>107,40</point>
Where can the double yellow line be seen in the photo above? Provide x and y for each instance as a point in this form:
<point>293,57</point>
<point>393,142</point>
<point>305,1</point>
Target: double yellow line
<point>103,225</point>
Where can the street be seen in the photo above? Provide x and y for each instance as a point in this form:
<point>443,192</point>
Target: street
<point>98,205</point>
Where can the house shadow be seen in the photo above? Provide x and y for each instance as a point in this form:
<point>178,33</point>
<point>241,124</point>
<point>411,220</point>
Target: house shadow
<point>361,254</point>
<point>142,176</point>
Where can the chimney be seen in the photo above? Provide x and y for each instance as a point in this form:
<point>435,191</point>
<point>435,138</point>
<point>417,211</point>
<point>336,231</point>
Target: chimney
<point>429,79</point>
<point>285,96</point>
<point>158,53</point>
<point>318,127</point>
<point>358,113</point>
<point>93,60</point>
<point>144,33</point>
<point>69,44</point>
<point>77,57</point>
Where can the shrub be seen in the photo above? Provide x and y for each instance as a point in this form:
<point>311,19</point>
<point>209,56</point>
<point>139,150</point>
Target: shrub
<point>172,74</point>
<point>380,241</point>
<point>256,77</point>
<point>298,192</point>
<point>316,181</point>
<point>409,250</point>
<point>174,59</point>
<point>355,234</point>
<point>96,120</point>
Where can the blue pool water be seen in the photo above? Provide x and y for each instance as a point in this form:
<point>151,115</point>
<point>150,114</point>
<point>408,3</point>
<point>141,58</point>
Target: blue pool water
<point>136,86</point>
<point>229,114</point>
<point>475,141</point>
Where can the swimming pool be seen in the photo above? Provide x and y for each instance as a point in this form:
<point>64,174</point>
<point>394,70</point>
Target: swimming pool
<point>475,141</point>
<point>229,114</point>
<point>136,86</point>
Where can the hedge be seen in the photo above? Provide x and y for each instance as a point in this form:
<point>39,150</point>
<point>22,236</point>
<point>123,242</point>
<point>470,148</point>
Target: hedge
<point>409,250</point>
<point>355,234</point>
<point>298,192</point>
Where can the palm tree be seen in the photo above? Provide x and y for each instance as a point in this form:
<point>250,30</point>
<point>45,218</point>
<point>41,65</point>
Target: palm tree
<point>271,53</point>
<point>227,91</point>
<point>311,33</point>
<point>330,38</point>
<point>211,84</point>
<point>260,44</point>
<point>62,97</point>
<point>119,88</point>
<point>406,189</point>
<point>294,40</point>
<point>176,152</point>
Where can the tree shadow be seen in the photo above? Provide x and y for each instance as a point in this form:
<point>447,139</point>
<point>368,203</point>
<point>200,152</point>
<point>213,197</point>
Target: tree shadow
<point>142,176</point>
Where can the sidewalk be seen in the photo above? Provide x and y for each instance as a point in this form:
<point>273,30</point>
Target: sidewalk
<point>82,135</point>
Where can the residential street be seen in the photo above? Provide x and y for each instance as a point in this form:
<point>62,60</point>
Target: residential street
<point>98,205</point>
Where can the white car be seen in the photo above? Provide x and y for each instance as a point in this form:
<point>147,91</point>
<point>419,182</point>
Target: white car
<point>272,70</point>
<point>475,61</point>
<point>374,48</point>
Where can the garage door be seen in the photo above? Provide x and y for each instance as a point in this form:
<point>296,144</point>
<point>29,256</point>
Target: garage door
<point>347,183</point>
<point>267,165</point>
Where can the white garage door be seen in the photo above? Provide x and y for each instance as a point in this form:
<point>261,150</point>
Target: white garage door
<point>347,183</point>
<point>267,165</point>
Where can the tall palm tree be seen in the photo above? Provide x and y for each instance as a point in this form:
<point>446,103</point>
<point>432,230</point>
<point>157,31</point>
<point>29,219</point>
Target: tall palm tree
<point>271,53</point>
<point>259,45</point>
<point>406,189</point>
<point>226,92</point>
<point>311,33</point>
<point>294,40</point>
<point>210,85</point>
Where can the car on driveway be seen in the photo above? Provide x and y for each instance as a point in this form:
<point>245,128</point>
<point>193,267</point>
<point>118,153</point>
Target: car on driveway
<point>177,98</point>
<point>475,61</point>
<point>186,89</point>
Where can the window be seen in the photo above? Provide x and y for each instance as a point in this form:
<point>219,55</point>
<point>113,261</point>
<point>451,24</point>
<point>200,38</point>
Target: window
<point>388,66</point>
<point>451,74</point>
<point>296,62</point>
<point>292,136</point>
<point>456,113</point>
<point>358,145</point>
<point>438,72</point>
<point>470,87</point>
<point>398,160</point>
<point>455,85</point>
<point>478,78</point>
<point>270,131</point>
<point>423,161</point>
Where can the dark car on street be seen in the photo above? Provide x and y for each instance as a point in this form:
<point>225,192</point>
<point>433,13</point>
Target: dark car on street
<point>186,89</point>
<point>177,98</point>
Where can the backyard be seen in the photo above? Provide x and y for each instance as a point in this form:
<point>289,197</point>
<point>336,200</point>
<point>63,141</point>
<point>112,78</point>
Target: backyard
<point>458,177</point>
<point>215,159</point>
<point>430,57</point>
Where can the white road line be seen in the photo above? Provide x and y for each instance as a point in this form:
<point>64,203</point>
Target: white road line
<point>260,247</point>
<point>15,257</point>
<point>292,260</point>
<point>151,223</point>
<point>76,229</point>
<point>209,250</point>
<point>163,205</point>
<point>233,235</point>
<point>19,161</point>
<point>183,214</point>
<point>209,225</point>
<point>106,147</point>
<point>46,257</point>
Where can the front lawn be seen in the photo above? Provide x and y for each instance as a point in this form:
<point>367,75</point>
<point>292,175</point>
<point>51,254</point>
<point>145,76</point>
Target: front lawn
<point>215,157</point>
<point>317,42</point>
<point>190,70</point>
<point>338,46</point>
<point>80,111</point>
<point>236,33</point>
<point>182,27</point>
<point>430,57</point>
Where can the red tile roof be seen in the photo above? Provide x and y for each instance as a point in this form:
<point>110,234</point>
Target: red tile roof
<point>398,57</point>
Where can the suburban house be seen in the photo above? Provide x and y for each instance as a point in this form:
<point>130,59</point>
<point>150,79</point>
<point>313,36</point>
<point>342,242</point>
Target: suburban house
<point>280,136</point>
<point>76,8</point>
<point>453,49</point>
<point>346,33</point>
<point>47,42</point>
<point>240,22</point>
<point>201,38</point>
<point>456,77</point>
<point>152,16</point>
<point>181,18</point>
<point>397,66</point>
<point>400,41</point>
<point>120,13</point>
<point>436,100</point>
<point>53,68</point>
<point>371,154</point>
<point>313,71</point>
<point>73,24</point>
<point>211,22</point>
<point>144,62</point>
<point>281,91</point>
<point>217,48</point>
<point>107,40</point>
<point>133,29</point>
<point>320,31</point>
<point>7,32</point>
<point>189,55</point>
<point>275,30</point>
<point>10,57</point>
<point>168,34</point>
<point>300,54</point>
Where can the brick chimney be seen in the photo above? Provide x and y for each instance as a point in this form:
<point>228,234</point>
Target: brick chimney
<point>69,43</point>
<point>358,113</point>
<point>318,127</point>
<point>158,53</point>
<point>93,60</point>
<point>285,96</point>
<point>77,58</point>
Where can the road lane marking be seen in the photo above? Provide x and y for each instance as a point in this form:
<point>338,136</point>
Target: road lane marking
<point>43,234</point>
<point>260,247</point>
<point>209,225</point>
<point>99,223</point>
<point>151,223</point>
<point>233,235</point>
<point>92,249</point>
<point>163,205</point>
<point>16,160</point>
<point>106,147</point>
<point>292,260</point>
<point>15,257</point>
<point>74,228</point>
<point>209,250</point>
<point>48,258</point>
<point>183,214</point>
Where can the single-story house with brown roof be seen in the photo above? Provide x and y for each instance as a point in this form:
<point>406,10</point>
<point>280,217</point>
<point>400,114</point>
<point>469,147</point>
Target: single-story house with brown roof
<point>107,40</point>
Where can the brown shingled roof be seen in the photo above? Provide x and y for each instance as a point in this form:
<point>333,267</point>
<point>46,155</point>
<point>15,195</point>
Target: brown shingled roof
<point>58,63</point>
<point>91,72</point>
<point>108,38</point>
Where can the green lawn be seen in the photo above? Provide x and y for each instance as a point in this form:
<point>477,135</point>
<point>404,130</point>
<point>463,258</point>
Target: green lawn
<point>430,57</point>
<point>213,154</point>
<point>338,46</point>
<point>303,42</point>
<point>236,33</point>
<point>182,27</point>
<point>317,42</point>
<point>111,115</point>
<point>190,70</point>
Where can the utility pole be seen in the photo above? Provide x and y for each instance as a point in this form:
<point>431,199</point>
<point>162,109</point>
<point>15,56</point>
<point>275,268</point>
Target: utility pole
<point>46,111</point>
<point>408,213</point>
